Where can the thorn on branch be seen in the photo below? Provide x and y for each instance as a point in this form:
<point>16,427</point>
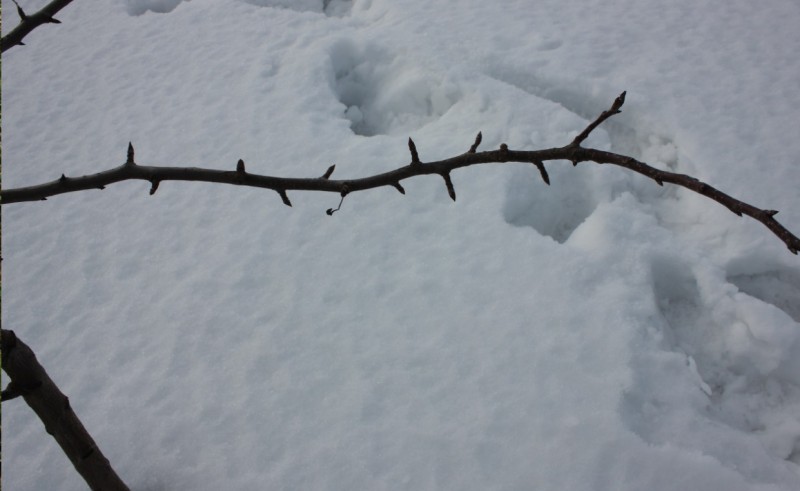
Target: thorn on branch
<point>154,186</point>
<point>284,197</point>
<point>240,167</point>
<point>414,154</point>
<point>477,142</point>
<point>771,213</point>
<point>328,172</point>
<point>399,187</point>
<point>63,178</point>
<point>10,392</point>
<point>53,20</point>
<point>129,160</point>
<point>21,13</point>
<point>449,183</point>
<point>540,165</point>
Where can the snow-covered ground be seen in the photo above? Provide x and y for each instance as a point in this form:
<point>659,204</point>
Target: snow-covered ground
<point>602,333</point>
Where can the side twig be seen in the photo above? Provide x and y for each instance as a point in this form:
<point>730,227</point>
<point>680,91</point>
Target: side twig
<point>30,22</point>
<point>29,380</point>
<point>572,152</point>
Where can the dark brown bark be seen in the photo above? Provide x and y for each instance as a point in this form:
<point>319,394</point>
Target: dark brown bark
<point>573,152</point>
<point>29,380</point>
<point>30,22</point>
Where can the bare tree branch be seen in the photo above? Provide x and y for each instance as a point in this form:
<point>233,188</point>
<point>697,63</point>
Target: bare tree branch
<point>572,152</point>
<point>30,22</point>
<point>29,380</point>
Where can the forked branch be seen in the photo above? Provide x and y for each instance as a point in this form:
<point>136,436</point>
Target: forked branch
<point>572,152</point>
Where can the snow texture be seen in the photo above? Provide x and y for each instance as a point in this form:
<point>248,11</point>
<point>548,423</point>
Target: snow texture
<point>602,333</point>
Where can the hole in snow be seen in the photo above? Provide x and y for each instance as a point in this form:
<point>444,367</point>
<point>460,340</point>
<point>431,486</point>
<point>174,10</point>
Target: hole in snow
<point>555,210</point>
<point>779,288</point>
<point>384,94</point>
<point>720,360</point>
<point>139,7</point>
<point>335,8</point>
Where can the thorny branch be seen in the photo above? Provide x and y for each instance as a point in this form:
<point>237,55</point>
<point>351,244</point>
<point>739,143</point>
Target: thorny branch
<point>30,22</point>
<point>572,152</point>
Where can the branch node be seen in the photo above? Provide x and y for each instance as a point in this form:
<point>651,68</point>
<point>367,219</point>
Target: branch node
<point>540,165</point>
<point>399,187</point>
<point>413,149</point>
<point>284,197</point>
<point>328,172</point>
<point>475,144</point>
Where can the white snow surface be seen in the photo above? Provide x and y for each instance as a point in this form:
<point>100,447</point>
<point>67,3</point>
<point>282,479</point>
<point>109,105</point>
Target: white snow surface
<point>602,333</point>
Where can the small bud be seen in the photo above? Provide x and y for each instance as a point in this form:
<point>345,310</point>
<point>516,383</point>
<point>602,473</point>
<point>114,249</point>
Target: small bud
<point>154,187</point>
<point>328,172</point>
<point>240,166</point>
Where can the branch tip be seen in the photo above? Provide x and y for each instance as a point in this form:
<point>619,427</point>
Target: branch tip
<point>618,102</point>
<point>413,149</point>
<point>328,172</point>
